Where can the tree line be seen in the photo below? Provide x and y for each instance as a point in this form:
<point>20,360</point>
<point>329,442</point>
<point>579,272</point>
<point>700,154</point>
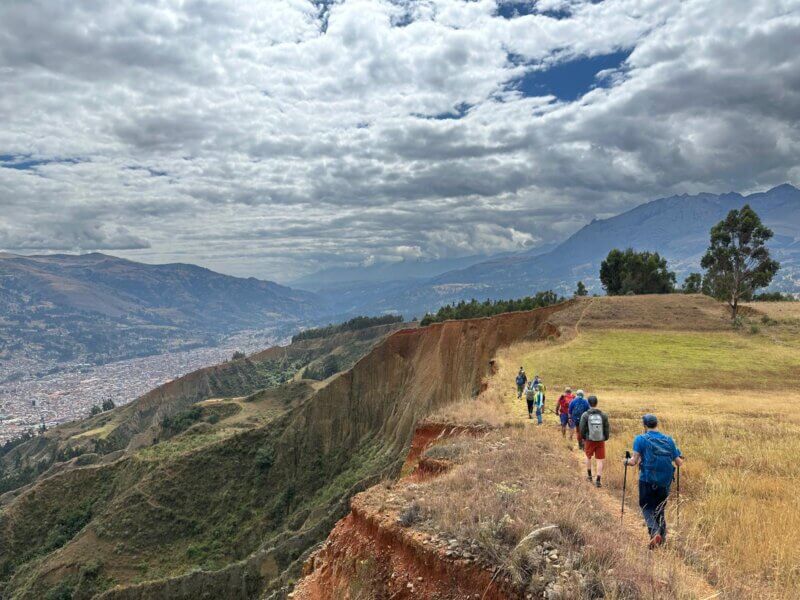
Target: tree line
<point>474,308</point>
<point>353,324</point>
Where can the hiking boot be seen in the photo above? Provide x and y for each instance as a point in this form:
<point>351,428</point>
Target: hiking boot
<point>597,483</point>
<point>656,541</point>
<point>589,476</point>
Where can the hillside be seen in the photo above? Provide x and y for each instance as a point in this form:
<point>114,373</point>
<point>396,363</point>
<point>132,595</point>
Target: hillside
<point>492,506</point>
<point>231,495</point>
<point>98,308</point>
<point>140,423</point>
<point>677,227</point>
<point>231,505</point>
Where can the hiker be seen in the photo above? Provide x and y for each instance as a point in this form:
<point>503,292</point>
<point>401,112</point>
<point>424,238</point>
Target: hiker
<point>540,382</point>
<point>562,410</point>
<point>536,380</point>
<point>522,379</point>
<point>594,430</point>
<point>538,401</point>
<point>577,407</point>
<point>530,398</point>
<point>657,454</point>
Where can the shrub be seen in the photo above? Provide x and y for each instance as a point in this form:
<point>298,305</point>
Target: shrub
<point>265,457</point>
<point>181,421</point>
<point>410,515</point>
<point>61,592</point>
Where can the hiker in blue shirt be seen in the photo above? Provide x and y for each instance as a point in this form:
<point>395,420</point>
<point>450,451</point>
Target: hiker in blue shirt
<point>657,454</point>
<point>521,380</point>
<point>577,407</point>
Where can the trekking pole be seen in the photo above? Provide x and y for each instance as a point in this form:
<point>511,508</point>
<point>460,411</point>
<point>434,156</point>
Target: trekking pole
<point>678,501</point>
<point>624,485</point>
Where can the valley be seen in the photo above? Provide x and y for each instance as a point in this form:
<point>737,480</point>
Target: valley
<point>207,487</point>
<point>69,392</point>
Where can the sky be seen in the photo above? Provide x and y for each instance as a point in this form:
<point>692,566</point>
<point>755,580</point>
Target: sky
<point>275,138</point>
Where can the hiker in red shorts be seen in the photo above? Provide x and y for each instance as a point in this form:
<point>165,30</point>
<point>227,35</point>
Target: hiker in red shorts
<point>594,430</point>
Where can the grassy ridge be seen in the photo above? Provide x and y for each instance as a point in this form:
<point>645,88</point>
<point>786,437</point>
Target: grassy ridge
<point>669,359</point>
<point>727,399</point>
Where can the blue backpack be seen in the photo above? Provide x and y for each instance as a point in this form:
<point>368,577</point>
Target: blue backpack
<point>657,464</point>
<point>580,406</point>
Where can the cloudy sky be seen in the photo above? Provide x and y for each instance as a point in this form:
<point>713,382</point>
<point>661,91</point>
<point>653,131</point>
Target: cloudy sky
<point>277,137</point>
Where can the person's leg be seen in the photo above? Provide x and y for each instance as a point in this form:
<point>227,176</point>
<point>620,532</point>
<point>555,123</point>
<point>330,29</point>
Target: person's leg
<point>648,508</point>
<point>530,408</point>
<point>662,496</point>
<point>538,415</point>
<point>588,454</point>
<point>579,437</point>
<point>563,419</point>
<point>599,457</point>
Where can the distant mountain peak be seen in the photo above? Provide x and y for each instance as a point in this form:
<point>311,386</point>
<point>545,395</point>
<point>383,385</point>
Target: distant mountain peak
<point>784,187</point>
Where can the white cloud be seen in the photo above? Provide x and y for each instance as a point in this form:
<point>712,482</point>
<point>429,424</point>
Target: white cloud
<point>275,137</point>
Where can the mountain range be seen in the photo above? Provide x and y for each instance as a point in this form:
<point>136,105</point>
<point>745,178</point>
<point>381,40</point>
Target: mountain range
<point>99,308</point>
<point>676,226</point>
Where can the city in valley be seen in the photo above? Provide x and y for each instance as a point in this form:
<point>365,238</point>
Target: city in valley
<point>68,392</point>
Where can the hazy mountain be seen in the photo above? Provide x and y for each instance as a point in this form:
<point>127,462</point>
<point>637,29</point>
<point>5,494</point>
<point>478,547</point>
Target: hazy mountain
<point>351,277</point>
<point>677,227</point>
<point>98,307</point>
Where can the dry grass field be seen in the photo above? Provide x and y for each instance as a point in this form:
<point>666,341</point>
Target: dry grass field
<point>730,398</point>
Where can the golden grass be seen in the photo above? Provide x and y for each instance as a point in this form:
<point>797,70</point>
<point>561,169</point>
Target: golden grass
<point>730,401</point>
<point>514,480</point>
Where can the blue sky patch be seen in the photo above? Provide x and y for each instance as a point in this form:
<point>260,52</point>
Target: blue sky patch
<point>511,9</point>
<point>459,112</point>
<point>23,162</point>
<point>569,80</point>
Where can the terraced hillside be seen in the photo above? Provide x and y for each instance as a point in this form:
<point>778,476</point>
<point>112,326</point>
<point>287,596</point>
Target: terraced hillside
<point>230,505</point>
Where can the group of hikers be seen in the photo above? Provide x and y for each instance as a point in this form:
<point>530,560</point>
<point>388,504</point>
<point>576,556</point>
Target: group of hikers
<point>654,452</point>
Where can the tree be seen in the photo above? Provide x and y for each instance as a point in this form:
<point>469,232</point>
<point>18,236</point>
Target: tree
<point>108,404</point>
<point>96,410</point>
<point>693,283</point>
<point>237,355</point>
<point>631,272</point>
<point>737,261</point>
<point>580,290</point>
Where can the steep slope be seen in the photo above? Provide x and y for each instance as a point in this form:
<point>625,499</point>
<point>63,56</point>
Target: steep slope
<point>140,423</point>
<point>230,509</point>
<point>494,506</point>
<point>99,308</point>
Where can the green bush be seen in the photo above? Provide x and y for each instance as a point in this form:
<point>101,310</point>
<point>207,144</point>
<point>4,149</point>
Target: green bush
<point>265,457</point>
<point>181,421</point>
<point>61,592</point>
